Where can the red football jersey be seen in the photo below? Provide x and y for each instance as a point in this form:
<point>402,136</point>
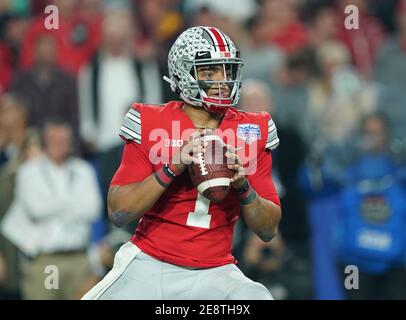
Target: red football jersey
<point>183,227</point>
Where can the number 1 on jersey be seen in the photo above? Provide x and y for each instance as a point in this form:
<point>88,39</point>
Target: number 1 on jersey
<point>200,217</point>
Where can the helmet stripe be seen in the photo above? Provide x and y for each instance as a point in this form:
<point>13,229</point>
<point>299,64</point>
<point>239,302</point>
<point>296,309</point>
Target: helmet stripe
<point>213,39</point>
<point>219,39</point>
<point>225,39</point>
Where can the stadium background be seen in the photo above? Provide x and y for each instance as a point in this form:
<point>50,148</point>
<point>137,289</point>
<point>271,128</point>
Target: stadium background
<point>336,96</point>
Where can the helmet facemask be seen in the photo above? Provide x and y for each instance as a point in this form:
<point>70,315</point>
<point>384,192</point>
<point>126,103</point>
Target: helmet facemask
<point>214,84</point>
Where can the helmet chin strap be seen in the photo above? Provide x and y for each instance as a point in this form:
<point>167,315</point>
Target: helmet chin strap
<point>207,106</point>
<point>172,83</point>
<point>212,107</point>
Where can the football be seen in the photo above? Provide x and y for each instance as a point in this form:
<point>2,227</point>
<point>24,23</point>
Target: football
<point>210,174</point>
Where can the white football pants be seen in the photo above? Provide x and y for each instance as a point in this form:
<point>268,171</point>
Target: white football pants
<point>136,275</point>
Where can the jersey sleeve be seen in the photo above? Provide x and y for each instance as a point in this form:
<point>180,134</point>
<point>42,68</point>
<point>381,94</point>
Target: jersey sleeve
<point>272,140</point>
<point>261,179</point>
<point>131,125</point>
<point>135,165</point>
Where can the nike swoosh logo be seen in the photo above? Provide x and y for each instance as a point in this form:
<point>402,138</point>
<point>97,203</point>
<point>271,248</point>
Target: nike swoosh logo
<point>199,54</point>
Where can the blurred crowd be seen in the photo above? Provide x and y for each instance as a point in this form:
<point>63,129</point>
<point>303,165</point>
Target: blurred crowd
<point>337,96</point>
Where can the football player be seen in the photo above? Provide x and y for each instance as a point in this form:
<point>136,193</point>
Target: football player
<point>181,248</point>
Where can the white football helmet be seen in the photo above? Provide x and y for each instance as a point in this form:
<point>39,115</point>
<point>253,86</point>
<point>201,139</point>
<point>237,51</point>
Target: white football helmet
<point>205,46</point>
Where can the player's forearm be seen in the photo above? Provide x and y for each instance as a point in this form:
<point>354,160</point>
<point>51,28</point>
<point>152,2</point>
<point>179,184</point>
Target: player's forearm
<point>128,203</point>
<point>262,216</point>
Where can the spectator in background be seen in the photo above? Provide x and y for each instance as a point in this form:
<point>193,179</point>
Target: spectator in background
<point>23,144</point>
<point>284,28</point>
<point>92,11</point>
<point>338,97</point>
<point>56,200</point>
<point>108,85</point>
<point>6,68</point>
<point>12,29</point>
<point>13,124</point>
<point>290,88</point>
<point>14,35</point>
<point>385,10</point>
<point>371,225</point>
<point>261,58</point>
<point>201,16</point>
<point>158,20</point>
<point>37,7</point>
<point>322,21</point>
<point>159,25</point>
<point>264,261</point>
<point>256,96</point>
<point>236,10</point>
<point>390,72</point>
<point>365,41</point>
<point>77,37</point>
<point>50,91</point>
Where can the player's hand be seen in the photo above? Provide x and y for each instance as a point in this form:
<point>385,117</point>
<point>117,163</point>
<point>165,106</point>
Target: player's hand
<point>189,151</point>
<point>238,179</point>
